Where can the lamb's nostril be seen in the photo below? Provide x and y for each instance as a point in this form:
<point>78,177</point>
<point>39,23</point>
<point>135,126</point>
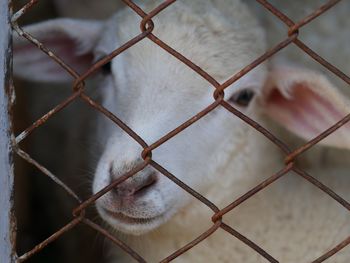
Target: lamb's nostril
<point>136,184</point>
<point>147,183</point>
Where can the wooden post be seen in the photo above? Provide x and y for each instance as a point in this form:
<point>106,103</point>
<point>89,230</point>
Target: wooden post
<point>7,221</point>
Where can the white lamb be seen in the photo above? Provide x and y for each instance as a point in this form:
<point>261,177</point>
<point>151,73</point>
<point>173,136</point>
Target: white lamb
<point>220,156</point>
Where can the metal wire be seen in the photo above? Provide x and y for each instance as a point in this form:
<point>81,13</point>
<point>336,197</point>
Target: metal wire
<point>146,27</point>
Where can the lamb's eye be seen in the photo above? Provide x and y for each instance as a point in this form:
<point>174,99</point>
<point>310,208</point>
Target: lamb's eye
<point>242,98</point>
<point>106,68</point>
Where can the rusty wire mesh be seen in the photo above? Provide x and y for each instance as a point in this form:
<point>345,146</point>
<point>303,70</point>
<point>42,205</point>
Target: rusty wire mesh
<point>147,27</point>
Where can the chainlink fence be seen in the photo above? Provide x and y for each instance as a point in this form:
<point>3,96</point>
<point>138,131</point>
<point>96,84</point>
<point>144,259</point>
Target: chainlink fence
<point>147,27</point>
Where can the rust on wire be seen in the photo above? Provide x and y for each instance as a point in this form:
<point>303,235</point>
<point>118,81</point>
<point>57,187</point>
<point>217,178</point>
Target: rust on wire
<point>45,171</point>
<point>257,127</point>
<point>258,61</point>
<point>284,18</point>
<point>46,117</point>
<point>312,16</point>
<point>19,30</point>
<point>184,186</point>
<point>333,251</point>
<point>252,192</point>
<point>248,242</point>
<point>182,127</point>
<point>317,139</point>
<point>170,50</point>
<point>115,119</point>
<point>323,187</point>
<point>193,243</point>
<point>96,196</point>
<point>109,57</point>
<point>322,61</point>
<point>50,239</point>
<point>146,28</point>
<point>116,241</point>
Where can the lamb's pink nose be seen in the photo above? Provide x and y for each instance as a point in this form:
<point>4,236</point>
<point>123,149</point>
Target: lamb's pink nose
<point>136,184</point>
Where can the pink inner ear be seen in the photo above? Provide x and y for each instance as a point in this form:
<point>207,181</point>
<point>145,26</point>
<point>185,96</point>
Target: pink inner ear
<point>305,113</point>
<point>66,49</point>
<point>63,47</point>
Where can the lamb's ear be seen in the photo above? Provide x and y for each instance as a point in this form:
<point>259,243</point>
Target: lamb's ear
<point>71,40</point>
<point>307,104</point>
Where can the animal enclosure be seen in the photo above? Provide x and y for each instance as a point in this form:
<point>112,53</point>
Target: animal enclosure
<point>147,25</point>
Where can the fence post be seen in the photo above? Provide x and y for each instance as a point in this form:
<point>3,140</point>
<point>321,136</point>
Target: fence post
<point>7,221</point>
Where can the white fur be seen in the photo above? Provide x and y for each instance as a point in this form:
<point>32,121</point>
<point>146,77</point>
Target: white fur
<point>220,156</point>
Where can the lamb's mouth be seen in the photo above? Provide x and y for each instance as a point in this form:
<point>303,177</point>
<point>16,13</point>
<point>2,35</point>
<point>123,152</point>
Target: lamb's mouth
<point>131,220</point>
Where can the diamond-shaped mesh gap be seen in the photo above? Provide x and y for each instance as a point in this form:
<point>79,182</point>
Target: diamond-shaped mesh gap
<point>273,212</point>
<point>218,217</point>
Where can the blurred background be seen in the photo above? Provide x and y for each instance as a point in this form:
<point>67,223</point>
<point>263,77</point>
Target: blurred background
<point>63,146</point>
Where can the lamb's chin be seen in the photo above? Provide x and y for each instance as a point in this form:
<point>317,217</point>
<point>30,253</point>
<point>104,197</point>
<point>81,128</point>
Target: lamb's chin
<point>133,225</point>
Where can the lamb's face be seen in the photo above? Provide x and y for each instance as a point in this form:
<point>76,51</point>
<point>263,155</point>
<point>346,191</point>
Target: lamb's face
<point>153,93</point>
